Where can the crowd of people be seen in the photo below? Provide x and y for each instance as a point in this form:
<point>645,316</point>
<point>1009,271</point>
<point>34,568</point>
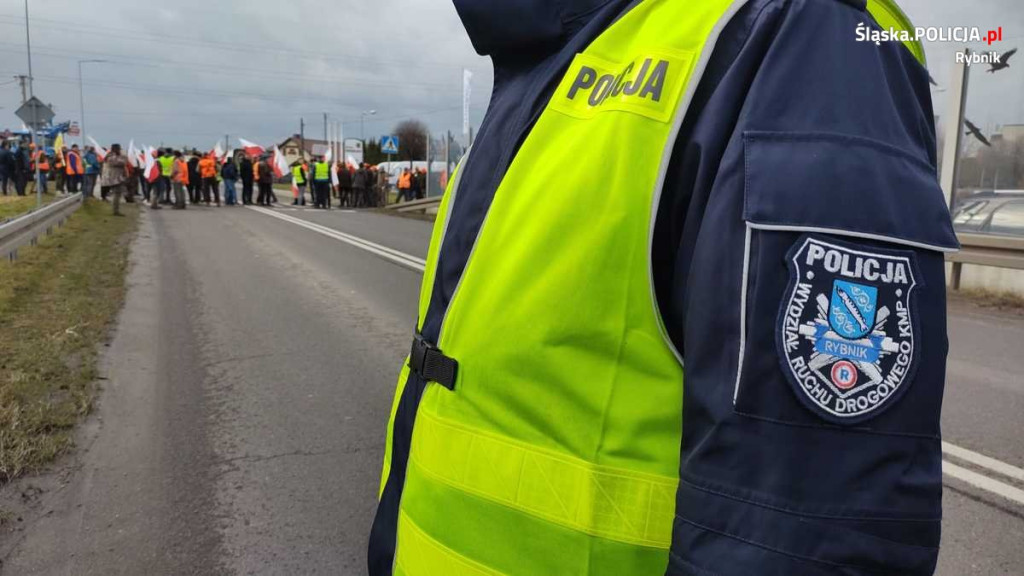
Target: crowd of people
<point>71,171</point>
<point>178,178</point>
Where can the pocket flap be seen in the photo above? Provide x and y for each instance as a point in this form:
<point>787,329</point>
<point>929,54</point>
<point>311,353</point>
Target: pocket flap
<point>844,185</point>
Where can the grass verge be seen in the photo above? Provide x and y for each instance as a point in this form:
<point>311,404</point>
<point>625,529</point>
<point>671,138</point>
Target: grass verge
<point>12,206</point>
<point>58,302</point>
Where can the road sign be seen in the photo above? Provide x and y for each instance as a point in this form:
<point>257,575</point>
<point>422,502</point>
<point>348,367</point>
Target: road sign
<point>34,113</point>
<point>74,130</point>
<point>389,144</point>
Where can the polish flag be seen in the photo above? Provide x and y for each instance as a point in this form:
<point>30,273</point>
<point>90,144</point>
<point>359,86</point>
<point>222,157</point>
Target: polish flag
<point>133,154</point>
<point>251,148</point>
<point>280,165</point>
<point>334,174</point>
<point>152,170</point>
<point>295,189</point>
<point>101,152</point>
<point>218,152</point>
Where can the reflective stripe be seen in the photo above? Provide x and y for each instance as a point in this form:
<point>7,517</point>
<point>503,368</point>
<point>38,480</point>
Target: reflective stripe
<point>888,15</point>
<point>421,555</point>
<point>611,503</point>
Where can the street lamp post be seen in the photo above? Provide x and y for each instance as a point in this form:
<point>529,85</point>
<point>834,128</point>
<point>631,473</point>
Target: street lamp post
<point>362,124</point>
<point>81,94</point>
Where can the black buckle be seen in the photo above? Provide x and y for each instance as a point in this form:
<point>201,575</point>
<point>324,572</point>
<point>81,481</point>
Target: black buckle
<point>429,363</point>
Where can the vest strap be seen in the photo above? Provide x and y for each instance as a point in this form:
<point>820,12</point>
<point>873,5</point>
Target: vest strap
<point>429,363</point>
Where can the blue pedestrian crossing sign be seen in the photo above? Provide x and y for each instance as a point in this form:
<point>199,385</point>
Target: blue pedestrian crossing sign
<point>389,144</point>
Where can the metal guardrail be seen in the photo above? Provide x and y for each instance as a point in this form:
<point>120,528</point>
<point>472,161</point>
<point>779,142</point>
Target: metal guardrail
<point>986,250</point>
<point>27,229</point>
<point>416,205</point>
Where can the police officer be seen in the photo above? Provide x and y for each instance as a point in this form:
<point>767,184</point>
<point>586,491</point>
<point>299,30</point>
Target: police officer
<point>762,209</point>
<point>299,178</point>
<point>322,183</point>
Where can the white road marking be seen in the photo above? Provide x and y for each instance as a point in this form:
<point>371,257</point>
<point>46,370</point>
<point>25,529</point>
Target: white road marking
<point>984,482</point>
<point>973,478</point>
<point>400,258</point>
<point>983,461</point>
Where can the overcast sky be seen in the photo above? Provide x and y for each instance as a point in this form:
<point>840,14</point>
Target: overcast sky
<point>189,72</point>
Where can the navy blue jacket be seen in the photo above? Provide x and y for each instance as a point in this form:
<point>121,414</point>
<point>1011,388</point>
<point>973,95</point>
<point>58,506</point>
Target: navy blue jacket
<point>798,268</point>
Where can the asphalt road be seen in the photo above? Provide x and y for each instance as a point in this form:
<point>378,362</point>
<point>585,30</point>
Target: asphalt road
<point>242,422</point>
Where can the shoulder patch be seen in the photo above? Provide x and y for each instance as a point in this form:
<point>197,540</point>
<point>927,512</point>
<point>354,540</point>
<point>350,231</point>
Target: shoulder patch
<point>847,335</point>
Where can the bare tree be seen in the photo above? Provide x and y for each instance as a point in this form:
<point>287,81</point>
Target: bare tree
<point>412,139</point>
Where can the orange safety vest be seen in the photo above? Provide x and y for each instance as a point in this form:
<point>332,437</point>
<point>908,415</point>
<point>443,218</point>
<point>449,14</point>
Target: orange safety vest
<point>405,180</point>
<point>182,176</point>
<point>75,167</point>
<point>256,171</point>
<point>207,168</point>
<point>42,160</point>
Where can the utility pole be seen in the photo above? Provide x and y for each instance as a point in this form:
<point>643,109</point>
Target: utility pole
<point>31,94</point>
<point>325,126</point>
<point>302,140</point>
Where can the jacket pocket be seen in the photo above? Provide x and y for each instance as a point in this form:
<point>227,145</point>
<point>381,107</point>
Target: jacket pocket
<point>843,301</point>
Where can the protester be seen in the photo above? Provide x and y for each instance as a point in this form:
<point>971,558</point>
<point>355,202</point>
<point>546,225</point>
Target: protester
<point>41,161</point>
<point>92,170</point>
<point>21,169</point>
<point>179,180</point>
<point>6,166</point>
<point>383,184</point>
<point>245,168</point>
<point>404,185</point>
<point>74,170</point>
<point>345,186</point>
<point>115,174</point>
<point>229,173</point>
<point>265,180</point>
<point>58,175</point>
<point>208,172</point>
<point>195,181</point>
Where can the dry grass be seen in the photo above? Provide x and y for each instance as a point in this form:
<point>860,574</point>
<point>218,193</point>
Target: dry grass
<point>57,304</point>
<point>1008,301</point>
<point>11,206</point>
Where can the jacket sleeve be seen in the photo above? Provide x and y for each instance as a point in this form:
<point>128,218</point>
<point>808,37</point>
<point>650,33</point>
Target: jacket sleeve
<point>809,301</point>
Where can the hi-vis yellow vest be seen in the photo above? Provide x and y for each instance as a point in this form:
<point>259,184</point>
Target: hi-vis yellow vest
<point>557,451</point>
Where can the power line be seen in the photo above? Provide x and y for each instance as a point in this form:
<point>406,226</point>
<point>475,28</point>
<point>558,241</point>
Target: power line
<point>221,70</point>
<point>86,28</point>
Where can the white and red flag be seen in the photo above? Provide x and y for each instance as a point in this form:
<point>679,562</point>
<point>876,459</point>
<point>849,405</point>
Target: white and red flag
<point>133,154</point>
<point>251,148</point>
<point>152,170</point>
<point>101,152</point>
<point>280,165</point>
<point>218,151</point>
